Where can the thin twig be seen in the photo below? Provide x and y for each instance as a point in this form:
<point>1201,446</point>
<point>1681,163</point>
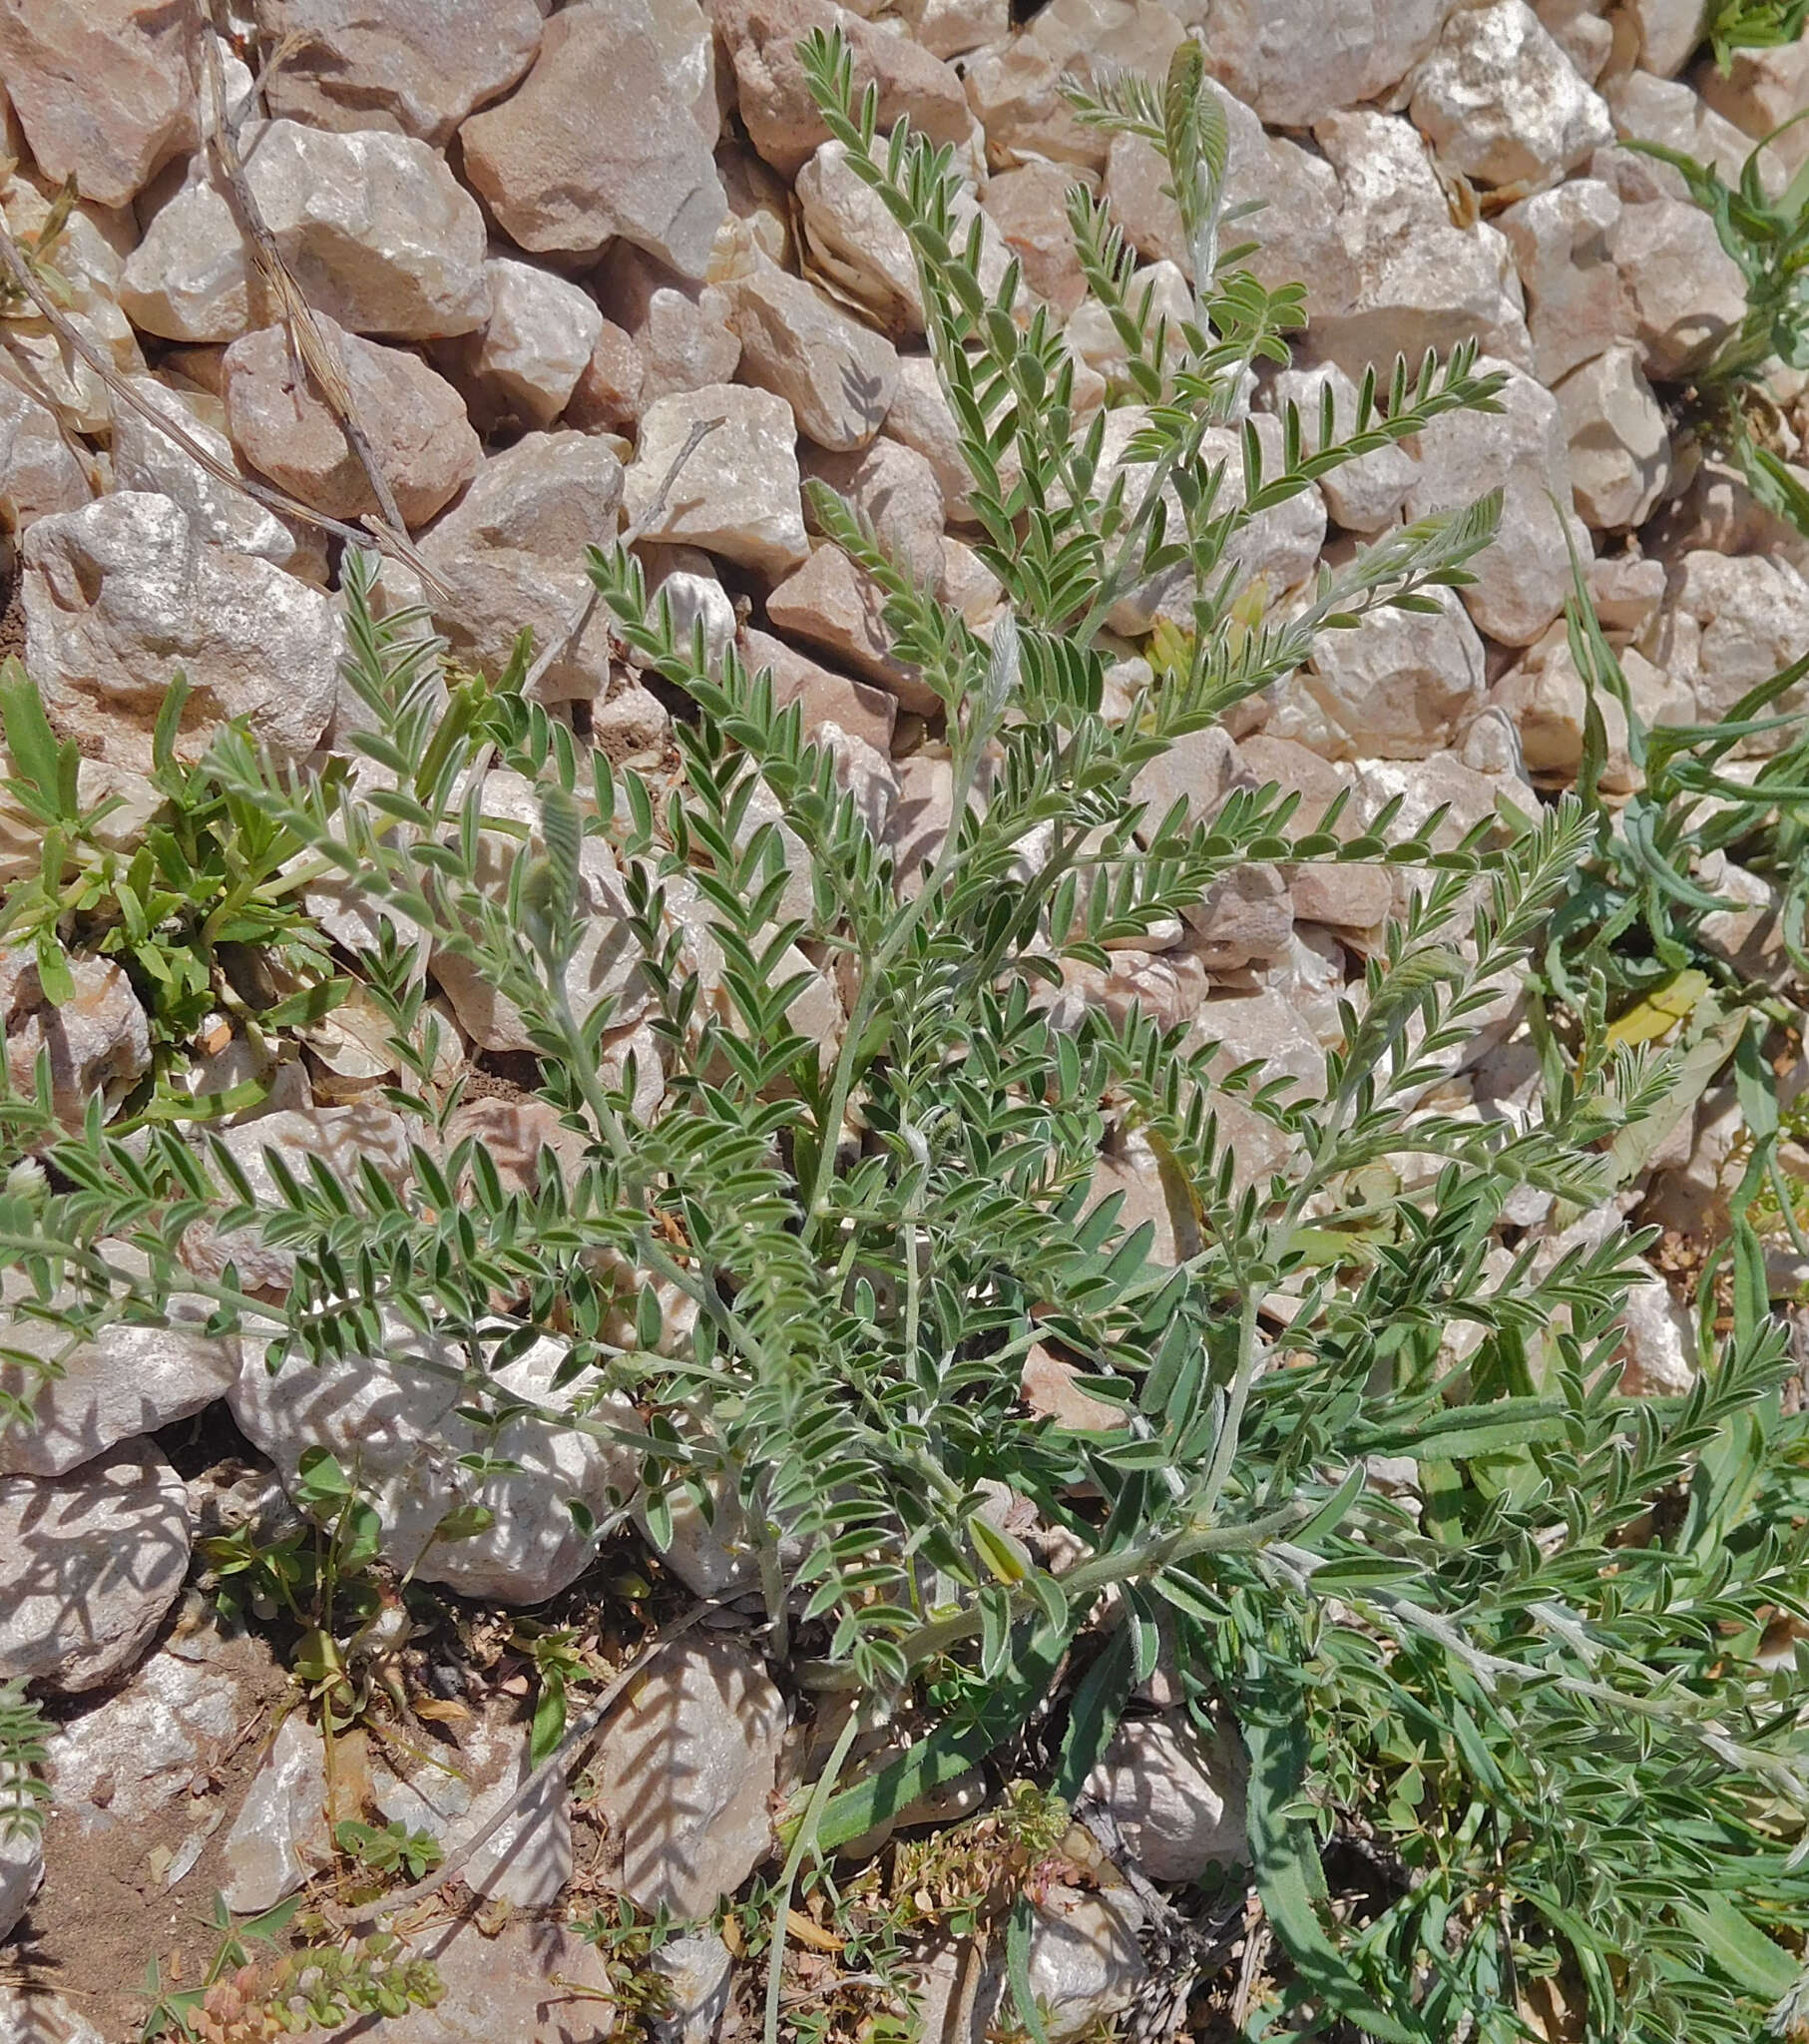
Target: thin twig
<point>313,354</point>
<point>272,499</point>
<point>575,1737</point>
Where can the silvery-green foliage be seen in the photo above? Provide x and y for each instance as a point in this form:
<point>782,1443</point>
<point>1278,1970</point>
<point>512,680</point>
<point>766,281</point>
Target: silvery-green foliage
<point>1524,1700</point>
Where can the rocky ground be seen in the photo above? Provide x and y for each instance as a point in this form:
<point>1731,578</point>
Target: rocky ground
<point>547,243</point>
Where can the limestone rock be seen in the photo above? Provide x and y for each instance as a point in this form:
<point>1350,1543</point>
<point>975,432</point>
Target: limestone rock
<point>122,592</point>
<point>737,494</point>
<point>856,244</point>
<point>88,1564</point>
<point>1345,897</point>
<point>189,278</point>
<point>1658,1344</point>
<point>422,441</point>
<point>838,376</point>
<point>21,1872</point>
<point>1398,685</point>
<point>921,418</point>
<point>951,28</point>
<point>528,1980</point>
<point>1666,110</point>
<point>114,1766</point>
<point>1364,495</point>
<point>98,1043</point>
<point>833,607</point>
<point>1560,243</point>
<point>379,234</point>
<point>511,553</point>
<point>397,1425</point>
<point>1627,590</point>
<point>895,489</point>
<point>607,397</point>
<point>103,89</point>
<point>1086,1961</point>
<point>1524,575</point>
<point>1416,280</point>
<point>1755,620</point>
<point>684,1775</point>
<point>1177,1796</point>
<point>527,1861</point>
<point>1669,30</point>
<point>541,337</point>
<point>1499,102</point>
<point>698,1971</point>
<point>1295,60</point>
<point>602,140</point>
<point>682,331</point>
<point>415,66</point>
<point>687,579</point>
<point>1545,698</point>
<point>31,2014</point>
<point>761,38</point>
<point>39,469</point>
<point>856,708</point>
<point>1761,91</point>
<point>1682,292</point>
<point>1245,919</point>
<point>1048,1387</point>
<point>1619,448</point>
<point>145,459</point>
<point>279,1836</point>
<point>1014,87</point>
<point>1030,207</point>
<point>130,1381</point>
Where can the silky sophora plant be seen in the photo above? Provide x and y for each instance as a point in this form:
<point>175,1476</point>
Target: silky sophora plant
<point>818,1263</point>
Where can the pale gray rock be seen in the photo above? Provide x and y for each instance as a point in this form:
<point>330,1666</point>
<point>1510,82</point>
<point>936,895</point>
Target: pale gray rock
<point>1398,685</point>
<point>737,494</point>
<point>698,1971</point>
<point>1014,86</point>
<point>1499,102</point>
<point>687,579</point>
<point>89,1565</point>
<point>421,440</point>
<point>922,419</point>
<point>607,394</point>
<point>1670,32</point>
<point>836,608</point>
<point>1619,449</point>
<point>527,1861</point>
<point>104,90</point>
<point>1295,60</point>
<point>379,234</point>
<point>895,490</point>
<point>1547,701</point>
<point>1345,897</point>
<point>115,1767</point>
<point>1029,207</point>
<point>541,337</point>
<point>1581,32</point>
<point>1416,280</point>
<point>684,1775</point>
<point>396,1426</point>
<point>1560,243</point>
<point>189,278</point>
<point>279,1836</point>
<point>773,96</point>
<point>1245,919</point>
<point>602,140</point>
<point>129,1382</point>
<point>838,376</point>
<point>1658,1343</point>
<point>40,470</point>
<point>1681,292</point>
<point>1086,1966</point>
<point>856,244</point>
<point>99,1043</point>
<point>1627,590</point>
<point>1760,92</point>
<point>1364,495</point>
<point>529,1979</point>
<point>683,333</point>
<point>415,66</point>
<point>120,594</point>
<point>145,459</point>
<point>827,697</point>
<point>31,2014</point>
<point>951,28</point>
<point>21,1874</point>
<point>1524,575</point>
<point>1201,768</point>
<point>1176,1796</point>
<point>1667,111</point>
<point>1754,619</point>
<point>511,554</point>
